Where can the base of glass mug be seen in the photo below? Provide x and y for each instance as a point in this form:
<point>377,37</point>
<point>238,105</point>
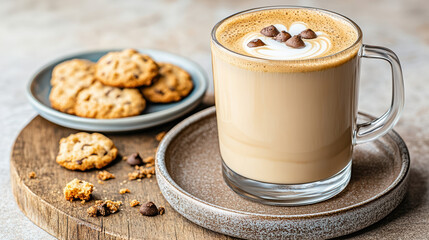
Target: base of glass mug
<point>287,194</point>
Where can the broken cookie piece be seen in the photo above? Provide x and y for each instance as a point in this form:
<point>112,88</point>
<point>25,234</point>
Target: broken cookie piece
<point>104,208</point>
<point>124,190</point>
<point>32,175</point>
<point>161,210</point>
<point>134,203</point>
<point>105,175</point>
<point>142,172</point>
<point>145,171</point>
<point>149,160</point>
<point>78,189</point>
<point>160,136</point>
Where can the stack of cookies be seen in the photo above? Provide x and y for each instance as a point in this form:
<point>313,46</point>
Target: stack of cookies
<point>117,86</point>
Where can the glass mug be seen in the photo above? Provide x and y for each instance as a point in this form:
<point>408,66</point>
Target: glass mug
<point>287,128</point>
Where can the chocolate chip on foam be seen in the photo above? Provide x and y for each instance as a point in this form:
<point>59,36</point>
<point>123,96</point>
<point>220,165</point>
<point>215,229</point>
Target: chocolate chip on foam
<point>295,42</point>
<point>255,43</point>
<point>308,34</point>
<point>283,36</point>
<point>270,31</point>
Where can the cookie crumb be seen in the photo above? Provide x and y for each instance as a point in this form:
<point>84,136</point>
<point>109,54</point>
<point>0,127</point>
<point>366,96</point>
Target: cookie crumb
<point>134,203</point>
<point>82,202</point>
<point>142,172</point>
<point>100,182</point>
<point>103,208</point>
<point>160,136</point>
<point>78,189</point>
<point>105,175</point>
<point>149,160</point>
<point>161,210</point>
<point>146,171</point>
<point>32,175</point>
<point>124,190</point>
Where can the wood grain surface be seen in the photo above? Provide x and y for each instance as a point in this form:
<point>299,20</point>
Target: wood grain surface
<point>42,200</point>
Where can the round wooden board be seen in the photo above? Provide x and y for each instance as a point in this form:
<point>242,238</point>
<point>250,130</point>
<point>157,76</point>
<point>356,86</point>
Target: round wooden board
<point>42,200</point>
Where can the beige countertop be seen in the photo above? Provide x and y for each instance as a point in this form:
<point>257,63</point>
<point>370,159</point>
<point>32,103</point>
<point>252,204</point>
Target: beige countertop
<point>35,32</point>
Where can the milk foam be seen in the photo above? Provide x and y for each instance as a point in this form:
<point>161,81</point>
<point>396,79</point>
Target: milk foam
<point>274,50</point>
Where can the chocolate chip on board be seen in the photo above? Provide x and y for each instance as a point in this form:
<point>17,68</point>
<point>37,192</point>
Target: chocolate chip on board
<point>295,42</point>
<point>270,31</point>
<point>283,36</point>
<point>134,159</point>
<point>149,209</point>
<point>308,34</point>
<point>255,43</point>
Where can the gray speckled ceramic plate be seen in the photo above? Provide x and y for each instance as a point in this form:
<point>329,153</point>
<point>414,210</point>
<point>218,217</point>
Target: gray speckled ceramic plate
<point>188,166</point>
<point>39,88</point>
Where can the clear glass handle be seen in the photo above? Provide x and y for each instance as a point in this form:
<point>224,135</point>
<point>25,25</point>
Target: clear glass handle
<point>378,127</point>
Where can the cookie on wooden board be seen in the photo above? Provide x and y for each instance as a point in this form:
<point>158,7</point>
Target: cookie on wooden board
<point>84,151</point>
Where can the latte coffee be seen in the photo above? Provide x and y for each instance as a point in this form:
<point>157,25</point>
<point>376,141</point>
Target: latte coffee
<point>286,115</point>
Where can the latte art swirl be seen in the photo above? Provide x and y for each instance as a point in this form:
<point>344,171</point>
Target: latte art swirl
<point>274,50</point>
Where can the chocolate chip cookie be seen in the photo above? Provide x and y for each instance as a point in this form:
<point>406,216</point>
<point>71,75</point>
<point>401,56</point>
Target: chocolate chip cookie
<point>84,151</point>
<point>68,79</point>
<point>63,95</point>
<point>75,69</point>
<point>172,84</point>
<point>100,101</point>
<point>127,68</point>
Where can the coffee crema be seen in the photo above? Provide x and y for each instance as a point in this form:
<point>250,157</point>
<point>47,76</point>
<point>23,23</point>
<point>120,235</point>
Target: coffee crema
<point>332,47</point>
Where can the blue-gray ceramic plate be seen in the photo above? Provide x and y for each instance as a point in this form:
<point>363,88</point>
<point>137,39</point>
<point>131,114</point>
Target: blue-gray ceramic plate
<point>155,114</point>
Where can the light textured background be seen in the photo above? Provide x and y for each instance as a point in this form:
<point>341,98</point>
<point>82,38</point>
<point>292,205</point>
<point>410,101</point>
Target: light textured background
<point>35,32</point>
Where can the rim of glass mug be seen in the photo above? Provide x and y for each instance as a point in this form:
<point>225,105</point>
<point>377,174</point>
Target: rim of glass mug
<point>334,14</point>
